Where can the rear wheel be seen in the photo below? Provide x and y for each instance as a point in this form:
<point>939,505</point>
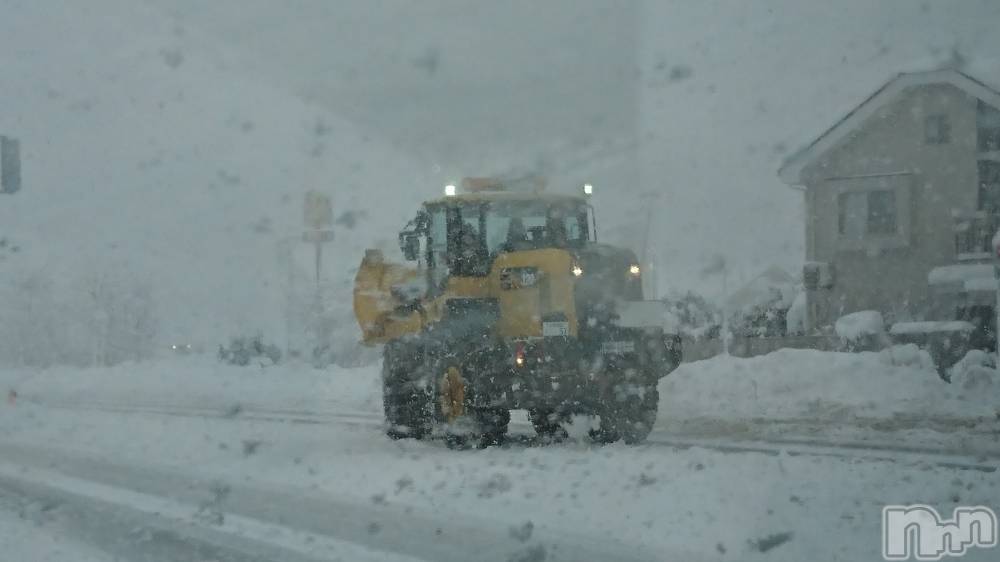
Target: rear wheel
<point>628,416</point>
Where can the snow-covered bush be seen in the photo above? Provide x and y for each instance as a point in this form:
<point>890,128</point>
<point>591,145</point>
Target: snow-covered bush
<point>696,317</point>
<point>861,331</point>
<point>760,307</point>
<point>976,372</point>
<point>765,320</point>
<point>241,351</point>
<point>907,355</point>
<point>947,342</point>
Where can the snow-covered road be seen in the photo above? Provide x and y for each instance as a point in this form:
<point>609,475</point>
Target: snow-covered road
<point>237,486</point>
<point>189,460</point>
<point>266,521</point>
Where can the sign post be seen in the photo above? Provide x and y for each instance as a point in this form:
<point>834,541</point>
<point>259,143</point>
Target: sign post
<point>318,217</point>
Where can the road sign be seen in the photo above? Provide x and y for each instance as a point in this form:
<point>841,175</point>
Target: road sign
<point>317,236</point>
<point>318,212</point>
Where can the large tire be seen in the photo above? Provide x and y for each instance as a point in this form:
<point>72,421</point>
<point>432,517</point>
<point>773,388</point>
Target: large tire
<point>465,421</point>
<point>405,401</point>
<point>629,417</point>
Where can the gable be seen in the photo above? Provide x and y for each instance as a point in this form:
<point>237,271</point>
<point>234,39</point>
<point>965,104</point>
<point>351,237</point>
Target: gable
<point>791,171</point>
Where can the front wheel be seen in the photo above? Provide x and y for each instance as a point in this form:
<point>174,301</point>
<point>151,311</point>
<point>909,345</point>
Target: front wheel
<point>628,415</point>
<point>548,425</point>
<point>405,401</point>
<point>463,419</point>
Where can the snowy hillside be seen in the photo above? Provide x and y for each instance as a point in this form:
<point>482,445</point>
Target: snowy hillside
<point>150,164</point>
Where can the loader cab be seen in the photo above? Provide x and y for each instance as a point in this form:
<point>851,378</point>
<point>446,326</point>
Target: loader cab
<point>463,235</point>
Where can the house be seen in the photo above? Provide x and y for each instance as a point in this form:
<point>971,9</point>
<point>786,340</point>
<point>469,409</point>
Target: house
<point>903,192</point>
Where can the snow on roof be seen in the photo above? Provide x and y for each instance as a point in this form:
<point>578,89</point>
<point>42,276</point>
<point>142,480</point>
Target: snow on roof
<point>901,328</point>
<point>790,172</point>
<point>960,273</point>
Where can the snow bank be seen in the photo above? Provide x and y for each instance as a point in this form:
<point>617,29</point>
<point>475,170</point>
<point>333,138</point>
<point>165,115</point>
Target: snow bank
<point>203,382</point>
<point>899,381</point>
<point>859,324</point>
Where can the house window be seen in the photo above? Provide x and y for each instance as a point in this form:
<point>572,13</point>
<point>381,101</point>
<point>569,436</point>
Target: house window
<point>863,213</point>
<point>937,130</point>
<point>987,127</point>
<point>881,212</point>
<point>989,185</point>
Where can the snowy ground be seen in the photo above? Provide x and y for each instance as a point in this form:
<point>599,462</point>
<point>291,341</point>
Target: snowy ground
<point>26,534</point>
<point>290,463</point>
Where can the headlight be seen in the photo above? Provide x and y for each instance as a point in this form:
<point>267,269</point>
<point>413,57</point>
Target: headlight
<point>577,270</point>
<point>634,270</point>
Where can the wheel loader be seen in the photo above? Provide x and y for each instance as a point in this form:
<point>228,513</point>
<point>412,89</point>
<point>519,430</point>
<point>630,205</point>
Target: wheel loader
<point>509,302</point>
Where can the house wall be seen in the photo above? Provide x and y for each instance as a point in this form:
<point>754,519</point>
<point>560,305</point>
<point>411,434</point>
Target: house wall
<point>931,182</point>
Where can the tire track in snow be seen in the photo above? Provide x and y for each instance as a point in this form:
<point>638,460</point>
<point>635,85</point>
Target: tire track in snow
<point>983,461</point>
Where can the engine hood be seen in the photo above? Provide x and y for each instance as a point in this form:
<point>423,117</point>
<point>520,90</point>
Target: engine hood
<point>606,274</point>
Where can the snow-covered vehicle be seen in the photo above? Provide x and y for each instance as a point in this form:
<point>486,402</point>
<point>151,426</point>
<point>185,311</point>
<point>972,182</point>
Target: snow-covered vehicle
<point>513,304</point>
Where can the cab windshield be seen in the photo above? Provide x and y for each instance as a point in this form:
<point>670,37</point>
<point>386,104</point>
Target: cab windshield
<point>478,232</point>
<point>531,225</point>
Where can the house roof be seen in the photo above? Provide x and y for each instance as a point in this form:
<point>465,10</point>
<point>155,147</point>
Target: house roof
<point>790,172</point>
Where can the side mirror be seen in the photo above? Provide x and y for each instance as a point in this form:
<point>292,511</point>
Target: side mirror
<point>409,243</point>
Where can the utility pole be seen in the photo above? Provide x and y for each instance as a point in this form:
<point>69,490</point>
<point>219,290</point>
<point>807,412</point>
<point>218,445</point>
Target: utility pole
<point>650,199</point>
